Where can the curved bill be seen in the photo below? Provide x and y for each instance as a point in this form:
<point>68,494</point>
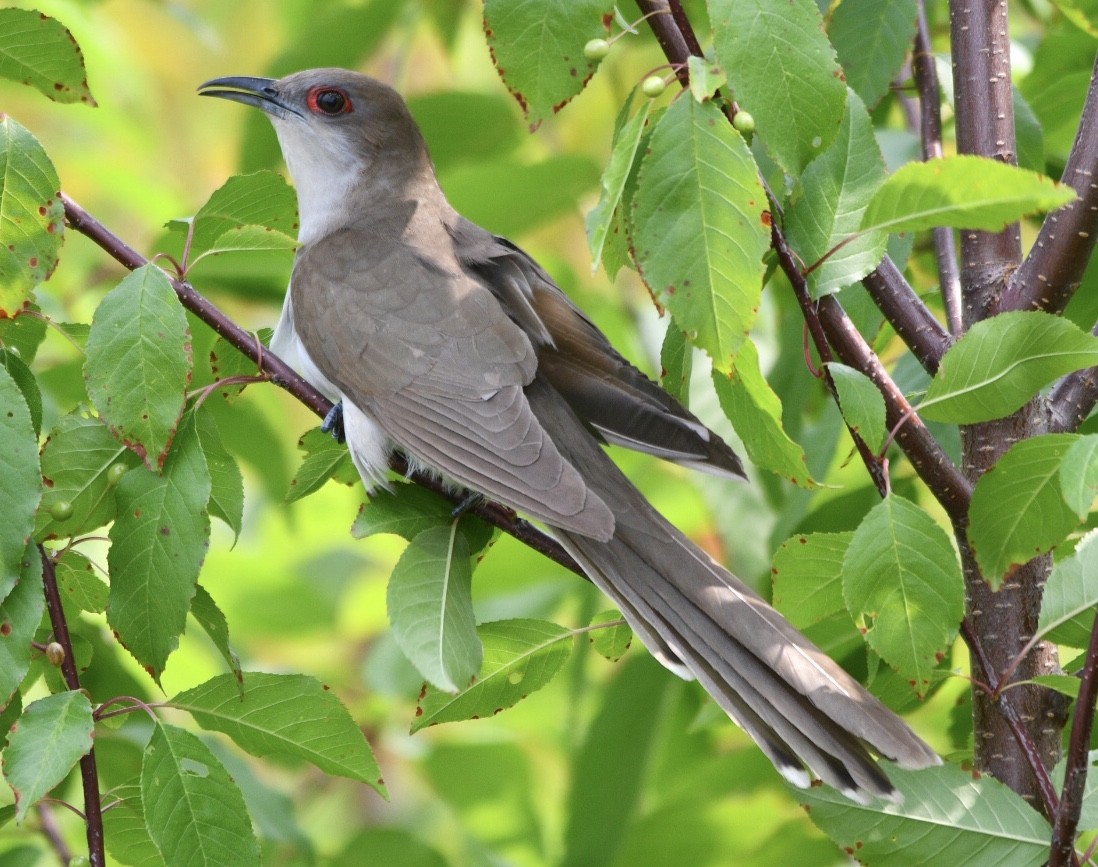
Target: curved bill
<point>259,92</point>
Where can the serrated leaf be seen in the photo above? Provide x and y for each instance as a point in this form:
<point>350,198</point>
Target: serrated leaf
<point>610,635</point>
<point>537,47</point>
<point>1079,475</point>
<point>961,191</point>
<point>40,51</point>
<point>139,363</point>
<point>676,363</point>
<point>406,510</point>
<point>1017,509</point>
<point>32,216</point>
<point>24,332</point>
<point>49,738</point>
<point>782,69</point>
<point>706,77</point>
<point>324,459</point>
<point>431,607</point>
<point>902,582</point>
<point>1002,362</point>
<point>520,656</point>
<point>872,39</point>
<point>81,586</point>
<point>284,715</point>
<point>125,831</point>
<point>20,478</point>
<point>1064,684</point>
<point>628,133</point>
<point>75,461</point>
<point>193,810</point>
<point>756,413</point>
<point>1070,596</point>
<point>837,189</point>
<point>807,572</point>
<point>979,822</point>
<point>861,403</point>
<point>227,362</point>
<point>256,212</point>
<point>21,612</point>
<point>28,387</point>
<point>699,232</point>
<point>226,482</point>
<point>158,543</point>
<point>216,627</point>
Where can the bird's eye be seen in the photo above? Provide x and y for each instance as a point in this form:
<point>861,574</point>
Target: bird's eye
<point>329,100</point>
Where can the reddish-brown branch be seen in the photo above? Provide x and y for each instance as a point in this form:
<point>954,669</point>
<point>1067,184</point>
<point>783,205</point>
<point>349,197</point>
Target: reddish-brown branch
<point>89,774</point>
<point>905,311</point>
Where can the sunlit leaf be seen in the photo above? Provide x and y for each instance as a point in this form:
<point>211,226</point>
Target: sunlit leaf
<point>21,612</point>
<point>610,635</point>
<point>808,577</point>
<point>861,403</point>
<point>40,51</point>
<point>1070,596</point>
<point>1018,510</point>
<point>20,478</point>
<point>213,623</point>
<point>324,459</point>
<point>872,38</point>
<point>1079,475</point>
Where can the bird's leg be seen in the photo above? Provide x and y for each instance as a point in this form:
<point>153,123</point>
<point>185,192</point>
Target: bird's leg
<point>468,501</point>
<point>333,423</point>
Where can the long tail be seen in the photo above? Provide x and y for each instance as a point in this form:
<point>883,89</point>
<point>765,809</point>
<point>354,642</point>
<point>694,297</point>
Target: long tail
<point>802,708</point>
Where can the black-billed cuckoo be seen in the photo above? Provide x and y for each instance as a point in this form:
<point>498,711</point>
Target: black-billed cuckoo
<point>452,344</point>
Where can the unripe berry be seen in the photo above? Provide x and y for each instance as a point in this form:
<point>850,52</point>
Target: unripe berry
<point>55,653</point>
<point>596,49</point>
<point>115,472</point>
<point>61,510</point>
<point>653,86</point>
<point>744,123</point>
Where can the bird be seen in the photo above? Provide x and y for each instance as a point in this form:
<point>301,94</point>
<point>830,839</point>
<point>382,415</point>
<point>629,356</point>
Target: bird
<point>451,344</point>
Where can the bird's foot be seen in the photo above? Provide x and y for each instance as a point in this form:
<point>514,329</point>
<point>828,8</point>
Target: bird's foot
<point>468,501</point>
<point>333,423</point>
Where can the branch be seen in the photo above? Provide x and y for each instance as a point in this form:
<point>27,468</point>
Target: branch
<point>89,774</point>
<point>905,311</point>
<point>1078,760</point>
<point>1054,267</point>
<point>930,132</point>
<point>670,34</point>
<point>1072,399</point>
<point>284,376</point>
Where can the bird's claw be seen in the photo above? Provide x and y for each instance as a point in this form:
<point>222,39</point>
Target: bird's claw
<point>333,423</point>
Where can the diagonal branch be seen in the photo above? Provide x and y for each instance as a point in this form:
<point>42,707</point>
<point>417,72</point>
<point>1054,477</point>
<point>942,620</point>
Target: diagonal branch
<point>905,311</point>
<point>284,376</point>
<point>1054,267</point>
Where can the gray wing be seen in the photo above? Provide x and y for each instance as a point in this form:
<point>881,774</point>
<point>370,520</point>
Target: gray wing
<point>431,356</point>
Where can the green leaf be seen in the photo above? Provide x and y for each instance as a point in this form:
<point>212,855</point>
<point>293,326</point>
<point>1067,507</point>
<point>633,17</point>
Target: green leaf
<point>1088,818</point>
<point>706,77</point>
<point>1030,135</point>
<point>465,126</point>
<point>782,69</point>
<point>21,612</point>
<point>406,510</point>
<point>158,543</point>
<point>226,482</point>
<point>1082,13</point>
<point>288,715</point>
<point>248,213</point>
<point>40,51</point>
<point>520,657</point>
<point>872,39</point>
<point>1017,509</point>
<point>979,822</point>
<point>32,216</point>
<point>1070,596</point>
<point>81,586</point>
<point>861,403</point>
<point>676,363</point>
<point>49,738</point>
<point>628,134</point>
<point>216,627</point>
<point>75,461</point>
<point>610,635</point>
<point>698,229</point>
<point>226,361</point>
<point>23,333</point>
<point>837,189</point>
<point>902,583</point>
<point>193,810</point>
<point>324,459</point>
<point>20,478</point>
<point>431,607</point>
<point>1079,475</point>
<point>28,387</point>
<point>139,363</point>
<point>1004,361</point>
<point>808,577</point>
<point>537,47</point>
<point>756,413</point>
<point>125,830</point>
<point>964,192</point>
<point>1065,684</point>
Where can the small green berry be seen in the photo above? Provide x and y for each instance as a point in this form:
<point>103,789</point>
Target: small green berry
<point>55,653</point>
<point>653,86</point>
<point>596,49</point>
<point>744,123</point>
<point>79,861</point>
<point>61,510</point>
<point>115,472</point>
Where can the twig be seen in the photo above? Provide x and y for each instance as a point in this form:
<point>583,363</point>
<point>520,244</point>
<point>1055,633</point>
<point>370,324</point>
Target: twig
<point>53,833</point>
<point>930,133</point>
<point>89,775</point>
<point>1078,760</point>
<point>906,312</point>
<point>283,376</point>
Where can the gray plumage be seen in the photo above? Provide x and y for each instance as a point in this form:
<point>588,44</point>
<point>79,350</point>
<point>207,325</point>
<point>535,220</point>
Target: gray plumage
<point>454,345</point>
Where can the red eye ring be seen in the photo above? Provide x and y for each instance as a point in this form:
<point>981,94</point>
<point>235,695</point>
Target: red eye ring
<point>329,101</point>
